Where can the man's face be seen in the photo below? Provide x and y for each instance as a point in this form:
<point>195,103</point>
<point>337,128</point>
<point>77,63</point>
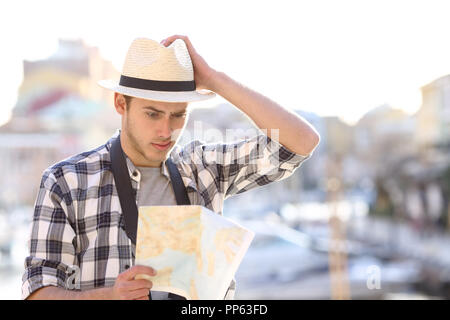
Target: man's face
<point>151,129</point>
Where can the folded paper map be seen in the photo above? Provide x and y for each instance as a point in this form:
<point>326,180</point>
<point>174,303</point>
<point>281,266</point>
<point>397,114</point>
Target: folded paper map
<point>195,251</point>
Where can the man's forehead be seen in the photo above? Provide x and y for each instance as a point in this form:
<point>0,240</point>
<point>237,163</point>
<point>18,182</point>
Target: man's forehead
<point>163,106</point>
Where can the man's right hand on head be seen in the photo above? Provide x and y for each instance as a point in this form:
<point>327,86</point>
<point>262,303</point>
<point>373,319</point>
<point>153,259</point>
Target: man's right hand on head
<point>127,287</point>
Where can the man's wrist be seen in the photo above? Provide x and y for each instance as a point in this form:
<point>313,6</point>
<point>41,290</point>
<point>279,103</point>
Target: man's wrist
<point>215,79</point>
<point>96,294</point>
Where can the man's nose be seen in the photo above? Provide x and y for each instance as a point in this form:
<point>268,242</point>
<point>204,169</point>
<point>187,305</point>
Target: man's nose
<point>164,129</point>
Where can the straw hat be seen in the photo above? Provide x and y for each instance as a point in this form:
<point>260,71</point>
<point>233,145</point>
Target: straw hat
<point>155,72</point>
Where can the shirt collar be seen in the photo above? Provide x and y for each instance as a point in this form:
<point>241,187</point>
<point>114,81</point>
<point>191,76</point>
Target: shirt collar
<point>131,167</point>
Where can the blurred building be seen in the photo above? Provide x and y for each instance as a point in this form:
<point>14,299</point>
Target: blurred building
<point>405,156</point>
<point>427,174</point>
<point>383,138</point>
<point>433,118</point>
<point>60,111</point>
<point>383,144</point>
<point>61,94</point>
<point>340,156</point>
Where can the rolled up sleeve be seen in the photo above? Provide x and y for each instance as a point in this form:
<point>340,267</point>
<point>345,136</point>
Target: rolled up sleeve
<point>253,162</point>
<point>51,244</point>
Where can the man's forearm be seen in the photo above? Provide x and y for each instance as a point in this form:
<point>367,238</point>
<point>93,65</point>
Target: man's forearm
<point>295,133</point>
<point>56,293</point>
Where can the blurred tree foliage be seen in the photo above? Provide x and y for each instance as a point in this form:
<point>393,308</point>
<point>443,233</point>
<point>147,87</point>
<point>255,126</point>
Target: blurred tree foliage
<point>383,205</point>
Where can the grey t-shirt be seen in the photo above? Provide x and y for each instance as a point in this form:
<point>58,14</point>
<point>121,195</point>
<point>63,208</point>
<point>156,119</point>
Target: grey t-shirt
<point>155,189</point>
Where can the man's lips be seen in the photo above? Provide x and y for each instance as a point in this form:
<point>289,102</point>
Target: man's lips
<point>162,146</point>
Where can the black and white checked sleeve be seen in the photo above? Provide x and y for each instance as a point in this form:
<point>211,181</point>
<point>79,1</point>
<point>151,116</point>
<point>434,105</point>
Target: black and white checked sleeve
<point>246,164</point>
<point>52,240</point>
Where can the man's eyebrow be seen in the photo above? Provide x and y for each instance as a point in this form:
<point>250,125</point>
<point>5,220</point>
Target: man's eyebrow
<point>156,110</point>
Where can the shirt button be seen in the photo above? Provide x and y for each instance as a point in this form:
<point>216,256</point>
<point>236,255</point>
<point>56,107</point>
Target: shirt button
<point>135,173</point>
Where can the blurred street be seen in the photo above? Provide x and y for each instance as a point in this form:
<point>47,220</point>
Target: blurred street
<point>385,260</point>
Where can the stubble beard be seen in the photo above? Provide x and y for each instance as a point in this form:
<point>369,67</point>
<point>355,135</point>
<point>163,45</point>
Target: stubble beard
<point>134,143</point>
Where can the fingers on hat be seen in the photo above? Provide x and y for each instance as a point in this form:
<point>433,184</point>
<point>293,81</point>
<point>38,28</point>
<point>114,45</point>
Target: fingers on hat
<point>172,38</point>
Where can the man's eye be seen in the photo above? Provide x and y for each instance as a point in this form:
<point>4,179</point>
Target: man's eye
<point>182,115</point>
<point>154,115</point>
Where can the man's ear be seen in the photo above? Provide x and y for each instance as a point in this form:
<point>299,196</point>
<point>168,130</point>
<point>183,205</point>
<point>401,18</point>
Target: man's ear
<point>119,103</point>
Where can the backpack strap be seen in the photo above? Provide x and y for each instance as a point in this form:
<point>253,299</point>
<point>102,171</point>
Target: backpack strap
<point>124,189</point>
<point>177,184</point>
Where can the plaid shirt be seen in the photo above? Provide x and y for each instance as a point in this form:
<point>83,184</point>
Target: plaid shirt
<point>78,240</point>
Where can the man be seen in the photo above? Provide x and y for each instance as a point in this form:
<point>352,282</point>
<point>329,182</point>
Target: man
<point>78,227</point>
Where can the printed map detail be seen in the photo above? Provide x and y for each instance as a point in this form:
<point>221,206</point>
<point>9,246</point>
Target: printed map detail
<point>195,251</point>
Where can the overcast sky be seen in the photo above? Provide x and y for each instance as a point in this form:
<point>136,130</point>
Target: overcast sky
<point>329,57</point>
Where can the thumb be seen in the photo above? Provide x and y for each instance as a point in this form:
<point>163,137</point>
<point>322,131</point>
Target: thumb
<point>132,272</point>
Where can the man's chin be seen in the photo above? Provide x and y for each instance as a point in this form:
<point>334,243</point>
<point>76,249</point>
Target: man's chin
<point>157,155</point>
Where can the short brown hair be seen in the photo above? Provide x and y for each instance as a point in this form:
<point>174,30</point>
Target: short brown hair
<point>128,100</point>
